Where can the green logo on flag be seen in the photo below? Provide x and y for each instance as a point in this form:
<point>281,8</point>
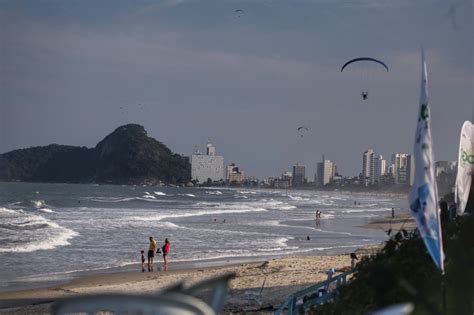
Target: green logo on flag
<point>424,111</point>
<point>466,157</point>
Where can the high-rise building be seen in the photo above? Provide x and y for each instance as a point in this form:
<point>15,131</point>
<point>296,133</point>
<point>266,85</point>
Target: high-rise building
<point>325,172</point>
<point>298,175</point>
<point>367,166</point>
<point>403,170</point>
<point>373,168</point>
<point>379,170</point>
<point>235,176</point>
<point>207,166</point>
<point>210,149</point>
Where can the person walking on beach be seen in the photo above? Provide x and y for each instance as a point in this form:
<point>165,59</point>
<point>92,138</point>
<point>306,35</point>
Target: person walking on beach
<point>142,252</point>
<point>393,213</point>
<point>151,253</point>
<point>165,249</point>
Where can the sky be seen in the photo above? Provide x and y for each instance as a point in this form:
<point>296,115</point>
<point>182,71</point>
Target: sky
<point>188,71</point>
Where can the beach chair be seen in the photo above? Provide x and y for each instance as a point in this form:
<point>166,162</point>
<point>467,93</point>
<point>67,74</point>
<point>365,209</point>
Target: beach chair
<point>254,296</point>
<point>173,301</point>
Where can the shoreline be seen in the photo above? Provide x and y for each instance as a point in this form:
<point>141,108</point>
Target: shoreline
<point>175,266</point>
<point>282,276</point>
<point>400,221</point>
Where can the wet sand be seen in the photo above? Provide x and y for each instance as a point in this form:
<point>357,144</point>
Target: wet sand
<point>400,221</point>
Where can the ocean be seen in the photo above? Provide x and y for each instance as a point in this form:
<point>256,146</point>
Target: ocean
<point>50,233</point>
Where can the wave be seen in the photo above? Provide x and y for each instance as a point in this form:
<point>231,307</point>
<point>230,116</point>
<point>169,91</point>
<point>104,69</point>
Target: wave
<point>38,204</point>
<point>148,196</point>
<point>216,192</point>
<point>110,199</point>
<point>159,193</point>
<point>46,210</point>
<point>6,210</point>
<point>159,217</point>
<point>18,226</point>
<point>167,224</point>
<point>279,205</point>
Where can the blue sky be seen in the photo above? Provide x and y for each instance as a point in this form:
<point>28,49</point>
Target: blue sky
<point>72,71</point>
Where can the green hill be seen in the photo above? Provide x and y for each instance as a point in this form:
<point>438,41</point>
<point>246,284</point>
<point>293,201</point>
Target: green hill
<point>126,156</point>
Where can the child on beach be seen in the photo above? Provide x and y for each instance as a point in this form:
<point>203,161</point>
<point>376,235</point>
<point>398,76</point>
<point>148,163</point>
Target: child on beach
<point>165,249</point>
<point>143,260</point>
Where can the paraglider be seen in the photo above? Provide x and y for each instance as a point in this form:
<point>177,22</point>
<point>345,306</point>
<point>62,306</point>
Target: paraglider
<point>364,59</point>
<point>238,12</point>
<point>363,64</point>
<point>302,130</point>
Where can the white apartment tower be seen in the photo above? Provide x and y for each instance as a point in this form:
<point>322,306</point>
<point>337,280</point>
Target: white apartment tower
<point>379,170</point>
<point>325,172</point>
<point>207,166</point>
<point>367,166</point>
<point>402,168</point>
<point>373,167</point>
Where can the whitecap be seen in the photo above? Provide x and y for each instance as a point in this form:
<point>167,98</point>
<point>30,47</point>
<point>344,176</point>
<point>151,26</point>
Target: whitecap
<point>6,210</point>
<point>216,192</point>
<point>44,233</point>
<point>159,193</point>
<point>148,197</point>
<point>159,217</point>
<point>38,203</point>
<point>46,210</point>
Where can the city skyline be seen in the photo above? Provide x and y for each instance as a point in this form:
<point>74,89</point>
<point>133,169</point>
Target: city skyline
<point>187,71</point>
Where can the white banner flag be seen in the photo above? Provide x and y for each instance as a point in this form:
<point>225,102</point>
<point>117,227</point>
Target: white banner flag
<point>423,198</point>
<point>465,167</point>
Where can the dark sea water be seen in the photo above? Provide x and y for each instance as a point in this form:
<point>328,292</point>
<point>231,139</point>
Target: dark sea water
<point>54,232</point>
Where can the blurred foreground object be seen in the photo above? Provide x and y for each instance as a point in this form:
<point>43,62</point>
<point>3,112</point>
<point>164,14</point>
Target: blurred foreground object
<point>206,297</point>
<point>397,309</point>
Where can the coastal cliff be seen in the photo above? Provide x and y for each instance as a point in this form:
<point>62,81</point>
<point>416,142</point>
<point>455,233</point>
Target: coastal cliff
<point>126,156</point>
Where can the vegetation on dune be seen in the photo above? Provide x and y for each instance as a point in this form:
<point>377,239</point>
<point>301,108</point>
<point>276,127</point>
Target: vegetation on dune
<point>404,272</point>
<point>126,156</point>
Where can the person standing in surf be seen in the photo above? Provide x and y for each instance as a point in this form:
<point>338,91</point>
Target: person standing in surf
<point>166,249</point>
<point>151,253</point>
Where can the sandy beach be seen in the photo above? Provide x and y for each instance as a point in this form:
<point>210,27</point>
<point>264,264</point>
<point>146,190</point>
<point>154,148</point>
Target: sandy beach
<point>282,277</point>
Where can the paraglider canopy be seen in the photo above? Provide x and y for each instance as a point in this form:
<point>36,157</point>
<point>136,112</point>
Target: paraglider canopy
<point>238,12</point>
<point>364,59</point>
<point>301,130</point>
<point>365,66</point>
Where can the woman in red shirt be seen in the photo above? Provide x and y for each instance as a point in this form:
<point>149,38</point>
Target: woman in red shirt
<point>166,250</point>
